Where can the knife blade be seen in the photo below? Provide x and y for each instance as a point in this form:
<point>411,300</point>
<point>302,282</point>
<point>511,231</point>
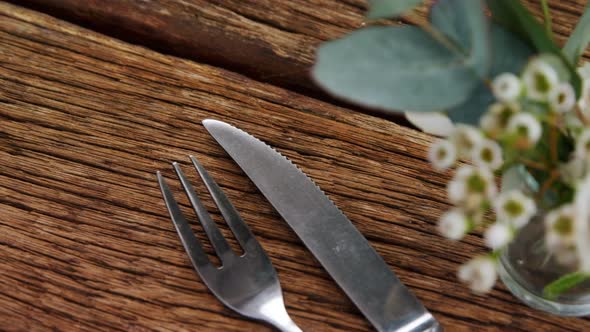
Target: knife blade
<point>330,236</point>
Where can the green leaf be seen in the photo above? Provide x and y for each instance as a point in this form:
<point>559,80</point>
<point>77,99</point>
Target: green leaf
<point>509,54</point>
<point>472,109</point>
<point>406,68</point>
<point>565,283</point>
<point>515,17</point>
<point>465,24</point>
<point>394,68</point>
<point>579,39</point>
<point>390,8</point>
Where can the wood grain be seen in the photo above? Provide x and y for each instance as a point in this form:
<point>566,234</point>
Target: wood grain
<point>270,41</point>
<point>85,240</point>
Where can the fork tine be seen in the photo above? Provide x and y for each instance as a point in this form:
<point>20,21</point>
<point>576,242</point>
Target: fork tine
<point>230,214</point>
<point>217,239</point>
<point>192,246</point>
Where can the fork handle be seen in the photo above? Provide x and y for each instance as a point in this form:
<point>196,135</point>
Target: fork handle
<point>280,320</point>
<point>287,326</point>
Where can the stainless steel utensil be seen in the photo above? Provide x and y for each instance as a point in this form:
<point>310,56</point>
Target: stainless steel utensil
<point>247,284</point>
<point>327,233</point>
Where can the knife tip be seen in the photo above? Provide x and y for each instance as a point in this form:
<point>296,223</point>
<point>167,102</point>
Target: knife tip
<point>210,122</point>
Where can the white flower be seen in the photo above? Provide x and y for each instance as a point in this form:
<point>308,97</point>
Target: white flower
<point>479,273</point>
<point>539,79</point>
<point>442,154</point>
<point>506,87</point>
<point>514,208</point>
<point>465,139</point>
<point>470,187</point>
<point>562,98</point>
<point>498,235</point>
<point>584,101</point>
<point>495,120</point>
<point>487,153</point>
<point>434,123</point>
<point>581,224</point>
<point>553,241</point>
<point>564,252</point>
<point>572,121</point>
<point>527,128</point>
<point>582,150</point>
<point>567,256</point>
<point>453,224</point>
<point>584,71</point>
<point>573,170</point>
<point>489,124</point>
<point>456,191</point>
<point>559,228</point>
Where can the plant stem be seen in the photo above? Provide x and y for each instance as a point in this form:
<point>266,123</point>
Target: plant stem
<point>532,164</point>
<point>495,255</point>
<point>547,184</point>
<point>547,18</point>
<point>582,117</point>
<point>553,139</point>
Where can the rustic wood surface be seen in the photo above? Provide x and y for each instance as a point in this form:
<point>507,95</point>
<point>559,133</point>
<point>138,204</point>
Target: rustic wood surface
<point>272,41</point>
<point>85,240</point>
<point>268,40</point>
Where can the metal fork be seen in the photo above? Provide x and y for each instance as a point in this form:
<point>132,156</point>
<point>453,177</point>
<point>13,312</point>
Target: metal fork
<point>247,284</point>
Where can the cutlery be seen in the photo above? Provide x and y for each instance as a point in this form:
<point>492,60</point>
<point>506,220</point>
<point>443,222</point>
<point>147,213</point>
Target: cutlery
<point>247,284</point>
<point>339,247</point>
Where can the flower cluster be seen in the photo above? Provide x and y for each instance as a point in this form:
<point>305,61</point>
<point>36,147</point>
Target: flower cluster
<point>539,126</point>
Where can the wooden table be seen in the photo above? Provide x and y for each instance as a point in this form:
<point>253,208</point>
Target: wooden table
<point>86,119</point>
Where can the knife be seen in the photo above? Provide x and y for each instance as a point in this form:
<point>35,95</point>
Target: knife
<point>330,236</point>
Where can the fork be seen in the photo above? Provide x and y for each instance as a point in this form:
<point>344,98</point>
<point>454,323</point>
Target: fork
<point>247,284</point>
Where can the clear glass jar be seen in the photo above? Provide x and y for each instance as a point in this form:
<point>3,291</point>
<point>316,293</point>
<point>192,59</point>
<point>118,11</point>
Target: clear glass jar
<point>526,268</point>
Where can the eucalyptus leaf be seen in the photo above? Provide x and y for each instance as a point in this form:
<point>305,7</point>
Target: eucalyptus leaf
<point>476,105</point>
<point>394,68</point>
<point>509,54</point>
<point>397,68</point>
<point>579,39</point>
<point>390,8</point>
<point>465,24</point>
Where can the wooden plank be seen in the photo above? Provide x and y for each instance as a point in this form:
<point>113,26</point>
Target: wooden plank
<point>270,41</point>
<point>85,240</point>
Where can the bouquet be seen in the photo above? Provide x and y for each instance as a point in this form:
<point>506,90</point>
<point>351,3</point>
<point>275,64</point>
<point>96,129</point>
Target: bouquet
<point>510,104</point>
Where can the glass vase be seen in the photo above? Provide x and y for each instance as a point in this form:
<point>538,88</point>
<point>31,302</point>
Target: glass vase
<point>526,268</point>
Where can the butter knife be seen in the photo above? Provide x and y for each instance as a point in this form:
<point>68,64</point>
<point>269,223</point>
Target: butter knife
<point>330,236</point>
